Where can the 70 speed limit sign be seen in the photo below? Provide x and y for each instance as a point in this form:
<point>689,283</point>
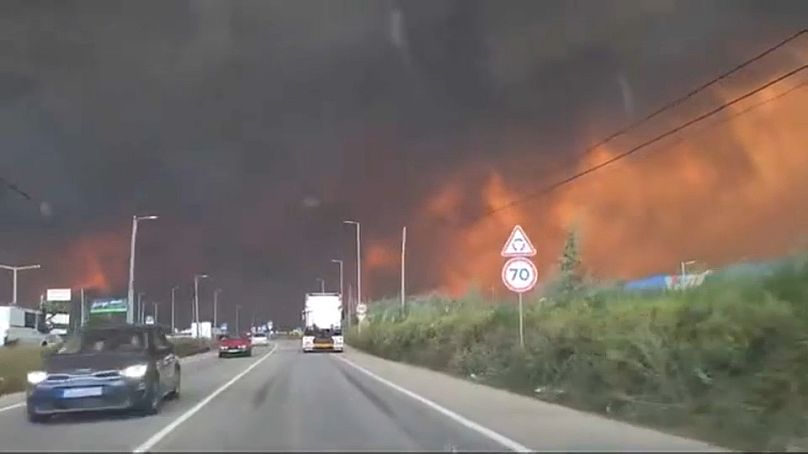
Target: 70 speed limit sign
<point>519,274</point>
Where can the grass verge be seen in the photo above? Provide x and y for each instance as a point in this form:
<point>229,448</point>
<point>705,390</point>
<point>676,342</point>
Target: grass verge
<point>726,362</point>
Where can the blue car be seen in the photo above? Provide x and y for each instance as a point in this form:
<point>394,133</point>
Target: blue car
<point>124,367</point>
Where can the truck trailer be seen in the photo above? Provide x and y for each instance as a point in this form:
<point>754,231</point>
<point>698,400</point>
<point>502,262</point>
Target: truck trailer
<point>322,318</point>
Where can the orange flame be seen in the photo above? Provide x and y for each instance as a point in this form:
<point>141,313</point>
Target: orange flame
<point>720,192</point>
<point>97,261</point>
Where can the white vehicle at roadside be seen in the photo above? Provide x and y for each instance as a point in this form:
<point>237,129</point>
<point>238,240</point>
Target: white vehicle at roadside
<point>259,339</point>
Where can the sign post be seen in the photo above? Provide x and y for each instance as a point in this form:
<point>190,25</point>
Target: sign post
<point>361,313</point>
<point>519,273</point>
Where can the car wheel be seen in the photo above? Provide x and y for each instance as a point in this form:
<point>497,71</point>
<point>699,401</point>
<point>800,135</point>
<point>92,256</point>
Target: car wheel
<point>35,417</point>
<point>249,352</point>
<point>221,355</point>
<point>175,393</point>
<point>151,400</point>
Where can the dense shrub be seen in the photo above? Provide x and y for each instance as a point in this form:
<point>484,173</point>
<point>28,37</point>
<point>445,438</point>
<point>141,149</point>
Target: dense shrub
<point>727,362</point>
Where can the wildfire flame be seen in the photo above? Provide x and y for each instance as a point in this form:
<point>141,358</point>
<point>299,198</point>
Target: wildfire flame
<point>730,189</point>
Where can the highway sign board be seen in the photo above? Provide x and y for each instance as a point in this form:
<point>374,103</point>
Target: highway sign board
<point>519,274</point>
<point>58,294</point>
<point>518,244</point>
<point>108,305</point>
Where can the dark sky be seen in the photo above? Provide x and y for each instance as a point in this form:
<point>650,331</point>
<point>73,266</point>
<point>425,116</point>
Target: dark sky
<point>253,127</point>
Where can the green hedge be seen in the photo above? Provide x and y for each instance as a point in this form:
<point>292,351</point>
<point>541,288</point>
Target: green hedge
<point>726,362</point>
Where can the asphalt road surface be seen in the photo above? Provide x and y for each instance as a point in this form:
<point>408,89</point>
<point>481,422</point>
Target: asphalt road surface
<point>278,400</point>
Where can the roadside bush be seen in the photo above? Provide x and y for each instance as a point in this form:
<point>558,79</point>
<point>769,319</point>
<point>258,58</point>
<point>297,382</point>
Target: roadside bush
<point>726,362</point>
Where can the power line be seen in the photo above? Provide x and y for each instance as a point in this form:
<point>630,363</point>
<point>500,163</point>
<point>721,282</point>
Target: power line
<point>643,145</point>
<point>678,101</point>
<point>13,187</point>
<point>695,91</point>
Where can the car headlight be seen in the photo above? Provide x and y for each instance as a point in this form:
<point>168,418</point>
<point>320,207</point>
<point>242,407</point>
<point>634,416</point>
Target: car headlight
<point>36,377</point>
<point>136,371</point>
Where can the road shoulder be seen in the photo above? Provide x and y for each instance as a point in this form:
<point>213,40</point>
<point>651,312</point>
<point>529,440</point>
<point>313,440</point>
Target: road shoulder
<point>536,424</point>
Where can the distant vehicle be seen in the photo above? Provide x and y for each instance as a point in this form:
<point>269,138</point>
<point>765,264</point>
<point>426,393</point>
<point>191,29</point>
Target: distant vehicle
<point>52,340</point>
<point>122,367</point>
<point>235,346</point>
<point>323,322</point>
<point>259,339</point>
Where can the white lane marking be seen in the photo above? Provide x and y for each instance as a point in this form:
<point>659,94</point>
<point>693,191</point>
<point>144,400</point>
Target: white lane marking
<point>12,407</point>
<point>148,444</point>
<point>462,420</point>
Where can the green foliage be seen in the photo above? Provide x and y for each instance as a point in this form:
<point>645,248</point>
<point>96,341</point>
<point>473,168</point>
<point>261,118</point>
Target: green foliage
<point>727,361</point>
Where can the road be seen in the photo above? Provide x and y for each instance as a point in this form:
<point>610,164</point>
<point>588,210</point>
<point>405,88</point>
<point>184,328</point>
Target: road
<point>284,400</point>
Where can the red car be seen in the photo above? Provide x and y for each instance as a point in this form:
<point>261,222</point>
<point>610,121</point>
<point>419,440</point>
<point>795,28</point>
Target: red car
<point>234,346</point>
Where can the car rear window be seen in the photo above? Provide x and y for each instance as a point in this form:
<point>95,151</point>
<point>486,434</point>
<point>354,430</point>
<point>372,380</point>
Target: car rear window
<point>106,340</point>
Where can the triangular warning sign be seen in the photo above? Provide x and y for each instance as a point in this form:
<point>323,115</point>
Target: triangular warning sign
<point>518,244</point>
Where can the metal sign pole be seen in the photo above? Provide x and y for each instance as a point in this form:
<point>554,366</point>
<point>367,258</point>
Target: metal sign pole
<point>521,323</point>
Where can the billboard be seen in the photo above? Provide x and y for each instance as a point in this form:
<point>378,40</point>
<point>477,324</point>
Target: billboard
<point>58,294</point>
<point>109,306</point>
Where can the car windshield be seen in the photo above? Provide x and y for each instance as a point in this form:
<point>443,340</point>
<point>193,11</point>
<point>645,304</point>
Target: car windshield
<point>259,335</point>
<point>104,341</point>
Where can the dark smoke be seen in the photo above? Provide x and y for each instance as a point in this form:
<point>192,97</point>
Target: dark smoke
<point>253,128</point>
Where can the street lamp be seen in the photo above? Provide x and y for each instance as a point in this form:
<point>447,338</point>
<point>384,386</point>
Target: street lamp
<point>358,266</point>
<point>140,307</point>
<point>14,270</point>
<point>130,313</point>
<point>173,292</point>
<point>339,262</point>
<point>197,277</point>
<point>216,305</point>
<point>684,273</point>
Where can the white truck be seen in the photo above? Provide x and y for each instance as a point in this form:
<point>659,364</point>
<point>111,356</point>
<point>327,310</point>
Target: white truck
<point>322,318</point>
<point>18,323</point>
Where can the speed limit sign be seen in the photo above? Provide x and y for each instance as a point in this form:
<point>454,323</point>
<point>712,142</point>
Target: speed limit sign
<point>519,274</point>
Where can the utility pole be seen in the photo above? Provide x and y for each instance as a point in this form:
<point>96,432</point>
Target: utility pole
<point>14,270</point>
<point>238,308</point>
<point>403,267</point>
<point>173,291</point>
<point>216,306</point>
<point>155,311</point>
<point>350,303</point>
<point>339,262</point>
<point>82,318</point>
<point>140,308</point>
<point>130,313</point>
<point>684,273</point>
<point>358,260</point>
<point>197,277</point>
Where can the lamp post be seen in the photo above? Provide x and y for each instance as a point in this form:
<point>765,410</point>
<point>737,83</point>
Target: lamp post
<point>130,313</point>
<point>358,264</point>
<point>197,277</point>
<point>341,296</point>
<point>14,270</point>
<point>216,305</point>
<point>173,297</point>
